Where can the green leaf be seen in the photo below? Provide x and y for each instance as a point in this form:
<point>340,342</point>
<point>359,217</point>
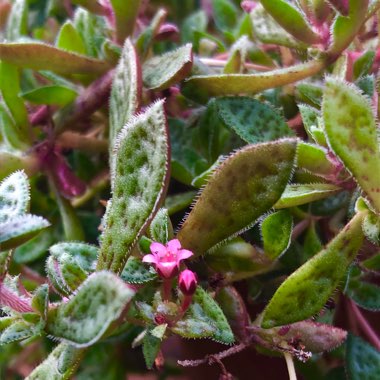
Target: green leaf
<point>345,28</point>
<point>197,21</point>
<point>20,229</point>
<point>5,258</point>
<point>314,159</point>
<point>84,319</point>
<point>224,14</point>
<point>362,360</point>
<point>17,24</point>
<point>10,89</point>
<point>244,187</point>
<point>125,92</point>
<point>14,196</point>
<point>252,120</point>
<point>213,312</point>
<point>202,87</point>
<point>238,56</point>
<point>268,31</point>
<point>371,228</point>
<point>178,202</point>
<point>125,17</point>
<point>163,71</point>
<point>15,332</point>
<point>161,229</point>
<point>238,257</point>
<point>139,179</point>
<point>363,293</point>
<point>52,95</point>
<point>39,56</point>
<point>92,5</point>
<point>69,39</point>
<point>40,300</point>
<point>135,272</point>
<point>291,19</point>
<point>353,135</point>
<point>59,365</point>
<point>276,231</point>
<point>151,347</point>
<point>12,137</point>
<point>363,64</point>
<point>310,94</point>
<point>306,290</point>
<point>299,194</point>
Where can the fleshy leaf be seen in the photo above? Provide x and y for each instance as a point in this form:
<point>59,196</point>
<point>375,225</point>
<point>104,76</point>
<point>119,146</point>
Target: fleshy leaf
<point>276,230</point>
<point>306,290</point>
<point>40,300</point>
<point>151,347</point>
<point>125,13</point>
<point>126,91</point>
<point>268,31</point>
<point>135,272</point>
<point>353,135</point>
<point>59,365</point>
<point>299,194</point>
<point>362,360</point>
<point>371,227</point>
<point>14,196</point>
<point>83,319</point>
<point>345,28</point>
<point>20,229</point>
<point>69,39</point>
<point>161,229</point>
<point>291,20</point>
<point>244,187</point>
<point>39,56</point>
<point>251,119</point>
<point>363,293</point>
<point>162,71</point>
<point>54,95</point>
<point>225,14</point>
<point>16,331</point>
<point>139,179</point>
<point>202,87</point>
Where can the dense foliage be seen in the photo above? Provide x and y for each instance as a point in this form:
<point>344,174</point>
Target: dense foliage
<point>189,169</point>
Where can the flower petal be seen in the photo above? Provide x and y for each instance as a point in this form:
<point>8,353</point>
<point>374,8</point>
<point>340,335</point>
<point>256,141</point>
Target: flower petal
<point>150,259</point>
<point>158,249</point>
<point>184,254</point>
<point>173,246</point>
<point>167,270</point>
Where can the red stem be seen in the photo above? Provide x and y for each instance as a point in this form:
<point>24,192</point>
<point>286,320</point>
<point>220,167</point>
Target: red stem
<point>166,289</point>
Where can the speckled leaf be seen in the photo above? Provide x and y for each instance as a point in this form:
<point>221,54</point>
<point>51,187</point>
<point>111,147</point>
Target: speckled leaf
<point>39,56</point>
<point>126,91</point>
<point>83,319</point>
<point>244,187</point>
<point>306,290</point>
<point>363,293</point>
<point>299,194</point>
<point>276,231</point>
<point>371,227</point>
<point>251,119</point>
<point>14,196</point>
<point>139,179</point>
<point>135,272</point>
<point>268,31</point>
<point>16,331</point>
<point>345,28</point>
<point>161,229</point>
<point>353,135</point>
<point>59,365</point>
<point>40,300</point>
<point>151,347</point>
<point>362,360</point>
<point>125,13</point>
<point>20,229</point>
<point>163,71</point>
<point>291,19</point>
<point>202,87</point>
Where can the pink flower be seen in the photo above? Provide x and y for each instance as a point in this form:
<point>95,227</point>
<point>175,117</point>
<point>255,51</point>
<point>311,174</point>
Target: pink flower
<point>188,281</point>
<point>166,259</point>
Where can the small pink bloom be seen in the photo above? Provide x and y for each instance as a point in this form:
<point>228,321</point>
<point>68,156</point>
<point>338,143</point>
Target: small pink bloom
<point>248,6</point>
<point>188,281</point>
<point>166,259</point>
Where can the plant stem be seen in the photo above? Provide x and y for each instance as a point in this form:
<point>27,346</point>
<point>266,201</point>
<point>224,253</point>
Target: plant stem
<point>290,365</point>
<point>166,289</point>
<point>365,326</point>
<point>73,140</point>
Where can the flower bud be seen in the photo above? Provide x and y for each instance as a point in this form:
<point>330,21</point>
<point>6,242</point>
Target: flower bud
<point>188,282</point>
